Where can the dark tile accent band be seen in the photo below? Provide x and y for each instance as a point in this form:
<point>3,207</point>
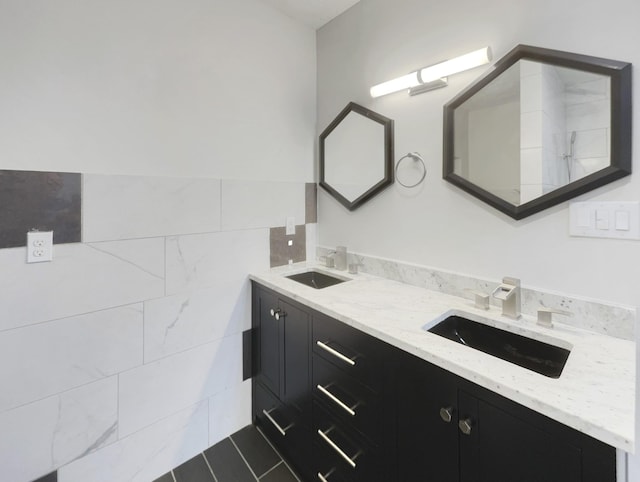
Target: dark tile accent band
<point>47,201</point>
<point>311,203</point>
<point>280,250</point>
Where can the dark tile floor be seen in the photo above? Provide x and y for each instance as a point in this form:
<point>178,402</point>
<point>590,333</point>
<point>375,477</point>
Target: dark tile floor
<point>245,456</point>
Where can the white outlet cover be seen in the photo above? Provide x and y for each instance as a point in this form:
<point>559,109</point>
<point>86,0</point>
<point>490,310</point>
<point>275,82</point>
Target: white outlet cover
<point>39,246</point>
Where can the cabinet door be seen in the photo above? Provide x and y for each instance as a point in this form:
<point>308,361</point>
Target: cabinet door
<point>269,334</point>
<point>502,445</point>
<point>296,389</point>
<point>427,433</point>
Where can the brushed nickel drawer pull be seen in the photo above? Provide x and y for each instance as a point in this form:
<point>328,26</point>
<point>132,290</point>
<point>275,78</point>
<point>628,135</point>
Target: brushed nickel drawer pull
<point>335,353</point>
<point>282,431</point>
<point>338,450</point>
<point>336,400</point>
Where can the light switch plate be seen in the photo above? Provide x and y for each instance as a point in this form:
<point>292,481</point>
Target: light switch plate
<point>39,246</point>
<point>619,220</point>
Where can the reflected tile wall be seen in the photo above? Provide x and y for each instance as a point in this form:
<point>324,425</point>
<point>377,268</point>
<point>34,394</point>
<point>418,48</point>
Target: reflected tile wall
<point>41,200</point>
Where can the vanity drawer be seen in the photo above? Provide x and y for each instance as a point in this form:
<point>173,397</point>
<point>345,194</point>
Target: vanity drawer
<point>283,428</point>
<point>347,399</point>
<point>357,353</point>
<point>341,455</point>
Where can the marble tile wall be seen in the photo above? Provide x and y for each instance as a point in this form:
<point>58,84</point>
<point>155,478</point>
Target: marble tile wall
<point>612,320</point>
<point>122,358</point>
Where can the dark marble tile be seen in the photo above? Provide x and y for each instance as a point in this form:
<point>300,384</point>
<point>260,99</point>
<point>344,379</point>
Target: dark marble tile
<point>256,450</point>
<point>165,478</point>
<point>280,474</point>
<point>193,470</point>
<point>227,464</point>
<point>52,477</point>
<point>311,203</point>
<point>281,252</point>
<point>47,201</point>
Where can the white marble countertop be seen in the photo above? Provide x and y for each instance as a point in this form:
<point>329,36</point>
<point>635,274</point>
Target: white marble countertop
<point>595,393</point>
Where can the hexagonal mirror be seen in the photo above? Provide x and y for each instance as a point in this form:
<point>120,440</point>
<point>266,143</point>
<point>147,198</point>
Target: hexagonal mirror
<point>356,155</point>
<point>542,127</point>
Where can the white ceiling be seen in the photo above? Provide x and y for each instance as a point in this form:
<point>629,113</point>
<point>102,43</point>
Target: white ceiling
<point>314,13</point>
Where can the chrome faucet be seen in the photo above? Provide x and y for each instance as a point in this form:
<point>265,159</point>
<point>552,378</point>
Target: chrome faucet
<point>509,293</point>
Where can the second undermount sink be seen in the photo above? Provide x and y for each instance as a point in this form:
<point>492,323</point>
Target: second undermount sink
<point>542,358</point>
<point>316,279</point>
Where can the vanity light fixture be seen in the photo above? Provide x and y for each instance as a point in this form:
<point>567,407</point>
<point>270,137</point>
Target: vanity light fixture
<point>434,76</point>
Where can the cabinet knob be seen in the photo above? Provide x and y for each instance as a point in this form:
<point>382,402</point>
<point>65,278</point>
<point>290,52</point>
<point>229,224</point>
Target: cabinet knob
<point>277,313</point>
<point>446,414</point>
<point>465,426</point>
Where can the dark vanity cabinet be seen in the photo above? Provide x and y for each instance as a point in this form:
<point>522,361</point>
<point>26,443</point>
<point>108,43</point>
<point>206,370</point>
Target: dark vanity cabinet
<point>281,387</point>
<point>341,405</point>
<point>350,416</point>
<point>451,430</point>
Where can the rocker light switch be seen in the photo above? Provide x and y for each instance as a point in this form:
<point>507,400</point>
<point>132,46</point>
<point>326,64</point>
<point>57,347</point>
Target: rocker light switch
<point>609,219</point>
<point>602,219</point>
<point>622,221</point>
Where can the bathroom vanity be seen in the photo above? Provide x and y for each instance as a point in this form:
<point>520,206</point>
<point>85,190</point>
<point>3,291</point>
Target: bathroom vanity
<point>349,384</point>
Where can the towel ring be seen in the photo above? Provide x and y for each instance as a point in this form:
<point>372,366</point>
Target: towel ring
<point>416,157</point>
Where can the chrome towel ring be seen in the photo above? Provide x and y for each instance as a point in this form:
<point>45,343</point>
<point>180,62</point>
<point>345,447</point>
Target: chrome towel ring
<point>417,158</point>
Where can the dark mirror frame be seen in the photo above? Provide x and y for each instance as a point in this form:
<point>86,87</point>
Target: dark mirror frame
<point>620,166</point>
<point>388,155</point>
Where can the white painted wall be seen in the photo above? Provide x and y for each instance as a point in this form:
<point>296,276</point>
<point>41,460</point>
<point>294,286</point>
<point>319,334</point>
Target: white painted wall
<point>210,88</point>
<point>439,225</point>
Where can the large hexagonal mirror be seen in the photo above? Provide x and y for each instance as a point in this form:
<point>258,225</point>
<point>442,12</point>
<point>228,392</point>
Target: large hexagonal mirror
<point>543,127</point>
<point>356,155</point>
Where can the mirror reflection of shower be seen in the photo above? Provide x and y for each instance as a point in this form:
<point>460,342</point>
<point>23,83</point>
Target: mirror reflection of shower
<point>570,157</point>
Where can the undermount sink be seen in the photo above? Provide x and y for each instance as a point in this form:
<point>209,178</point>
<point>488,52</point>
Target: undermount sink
<point>542,358</point>
<point>316,279</point>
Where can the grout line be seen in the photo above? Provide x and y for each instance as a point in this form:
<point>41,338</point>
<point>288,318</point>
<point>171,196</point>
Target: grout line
<point>173,476</point>
<point>73,315</point>
<point>57,394</point>
<point>118,406</point>
<point>185,350</point>
<point>277,452</point>
<point>210,469</point>
<point>144,332</point>
<point>245,460</point>
<point>271,469</point>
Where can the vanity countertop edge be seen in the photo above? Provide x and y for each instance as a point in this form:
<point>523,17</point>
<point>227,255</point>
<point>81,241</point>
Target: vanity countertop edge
<point>595,393</point>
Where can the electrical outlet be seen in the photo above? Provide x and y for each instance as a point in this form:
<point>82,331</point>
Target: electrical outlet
<point>39,246</point>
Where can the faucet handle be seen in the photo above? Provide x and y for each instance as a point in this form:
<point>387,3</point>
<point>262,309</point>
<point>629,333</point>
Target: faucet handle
<point>481,299</point>
<point>544,316</point>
